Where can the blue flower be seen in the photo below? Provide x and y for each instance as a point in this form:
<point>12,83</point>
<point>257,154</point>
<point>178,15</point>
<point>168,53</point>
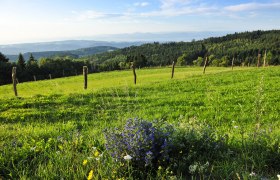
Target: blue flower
<point>146,142</point>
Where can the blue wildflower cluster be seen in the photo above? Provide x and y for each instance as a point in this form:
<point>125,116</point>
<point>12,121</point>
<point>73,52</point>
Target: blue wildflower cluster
<point>147,143</point>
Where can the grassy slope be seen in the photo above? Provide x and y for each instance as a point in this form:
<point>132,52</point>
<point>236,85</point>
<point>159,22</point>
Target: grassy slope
<point>223,98</point>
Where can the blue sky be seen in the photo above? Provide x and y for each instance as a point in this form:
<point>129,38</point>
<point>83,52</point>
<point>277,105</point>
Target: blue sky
<point>48,20</point>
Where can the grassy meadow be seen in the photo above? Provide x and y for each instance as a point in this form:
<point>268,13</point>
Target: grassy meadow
<point>55,128</point>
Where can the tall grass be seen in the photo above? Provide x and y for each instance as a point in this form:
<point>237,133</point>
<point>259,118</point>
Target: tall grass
<point>51,129</point>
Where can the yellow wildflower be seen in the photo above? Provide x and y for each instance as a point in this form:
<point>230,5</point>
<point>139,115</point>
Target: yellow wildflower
<point>96,153</point>
<point>85,162</point>
<point>90,175</point>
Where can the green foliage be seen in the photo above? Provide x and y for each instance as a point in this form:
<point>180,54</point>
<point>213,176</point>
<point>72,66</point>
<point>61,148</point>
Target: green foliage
<point>198,62</point>
<point>181,61</point>
<point>21,62</point>
<point>224,61</point>
<point>242,45</point>
<point>269,57</point>
<point>3,58</point>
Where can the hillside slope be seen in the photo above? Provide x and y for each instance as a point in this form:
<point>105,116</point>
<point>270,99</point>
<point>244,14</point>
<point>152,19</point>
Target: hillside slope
<point>244,47</point>
<point>70,53</point>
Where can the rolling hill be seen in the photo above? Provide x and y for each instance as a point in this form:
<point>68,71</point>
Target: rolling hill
<point>72,53</point>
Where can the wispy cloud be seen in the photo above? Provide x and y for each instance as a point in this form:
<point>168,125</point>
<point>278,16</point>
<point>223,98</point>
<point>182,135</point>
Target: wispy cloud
<point>175,8</point>
<point>170,4</point>
<point>91,14</point>
<point>252,6</point>
<point>172,8</point>
<point>141,4</point>
<point>180,12</point>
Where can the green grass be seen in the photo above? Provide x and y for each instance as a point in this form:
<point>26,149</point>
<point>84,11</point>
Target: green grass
<point>242,104</point>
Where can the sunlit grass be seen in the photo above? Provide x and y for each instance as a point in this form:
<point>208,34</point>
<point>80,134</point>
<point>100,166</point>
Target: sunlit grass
<point>98,81</point>
<point>239,103</point>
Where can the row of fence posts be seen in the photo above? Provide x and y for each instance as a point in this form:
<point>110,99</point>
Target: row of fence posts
<point>85,72</point>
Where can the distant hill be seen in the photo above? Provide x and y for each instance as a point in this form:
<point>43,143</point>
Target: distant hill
<point>15,49</point>
<point>71,53</point>
<point>244,47</point>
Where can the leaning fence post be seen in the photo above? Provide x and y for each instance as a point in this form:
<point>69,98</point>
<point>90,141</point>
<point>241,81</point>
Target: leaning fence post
<point>173,67</point>
<point>50,76</point>
<point>14,77</point>
<point>85,72</point>
<point>34,77</point>
<point>205,64</point>
<point>134,73</point>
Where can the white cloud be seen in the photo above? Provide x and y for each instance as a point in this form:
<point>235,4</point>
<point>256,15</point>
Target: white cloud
<point>180,12</point>
<point>168,4</point>
<point>91,14</point>
<point>172,8</point>
<point>141,4</point>
<point>252,6</point>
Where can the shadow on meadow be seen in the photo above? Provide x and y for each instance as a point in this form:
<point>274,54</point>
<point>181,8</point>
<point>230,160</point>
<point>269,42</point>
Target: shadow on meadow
<point>57,108</point>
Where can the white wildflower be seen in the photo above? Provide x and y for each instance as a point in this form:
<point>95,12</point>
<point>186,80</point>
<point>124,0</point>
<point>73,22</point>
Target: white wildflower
<point>127,157</point>
<point>278,175</point>
<point>252,174</point>
<point>235,127</point>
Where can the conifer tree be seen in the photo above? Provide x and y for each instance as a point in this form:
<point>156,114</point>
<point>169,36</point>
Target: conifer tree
<point>21,61</point>
<point>31,60</point>
<point>3,58</point>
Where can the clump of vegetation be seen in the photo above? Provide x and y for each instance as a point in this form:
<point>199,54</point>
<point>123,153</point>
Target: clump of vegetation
<point>147,144</point>
<point>151,146</point>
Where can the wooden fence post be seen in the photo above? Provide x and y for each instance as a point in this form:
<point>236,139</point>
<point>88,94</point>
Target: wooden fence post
<point>232,63</point>
<point>34,77</point>
<point>134,73</point>
<point>259,57</point>
<point>173,67</point>
<point>205,64</point>
<point>264,59</point>
<point>50,75</point>
<point>85,72</point>
<point>14,77</point>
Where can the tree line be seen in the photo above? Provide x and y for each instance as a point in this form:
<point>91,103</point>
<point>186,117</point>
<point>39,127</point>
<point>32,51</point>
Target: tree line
<point>243,47</point>
<point>44,68</point>
<point>246,48</point>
